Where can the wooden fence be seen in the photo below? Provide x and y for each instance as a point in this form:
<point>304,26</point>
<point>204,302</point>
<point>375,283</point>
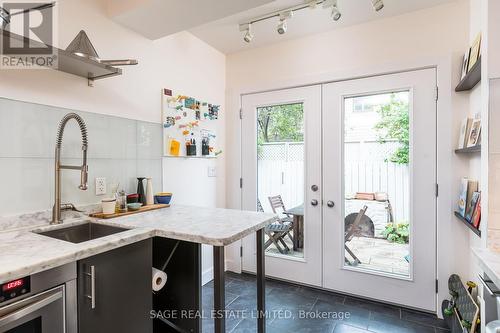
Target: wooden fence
<point>281,171</point>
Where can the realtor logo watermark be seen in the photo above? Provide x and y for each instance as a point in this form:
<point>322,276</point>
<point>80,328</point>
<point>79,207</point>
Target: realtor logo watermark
<point>28,36</point>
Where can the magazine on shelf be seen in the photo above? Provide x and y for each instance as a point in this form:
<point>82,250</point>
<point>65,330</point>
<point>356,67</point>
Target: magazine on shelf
<point>471,206</point>
<point>464,133</point>
<point>476,217</point>
<point>462,201</point>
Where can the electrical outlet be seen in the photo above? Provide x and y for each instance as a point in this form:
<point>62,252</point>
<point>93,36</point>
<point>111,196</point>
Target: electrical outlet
<point>100,186</point>
<point>212,172</point>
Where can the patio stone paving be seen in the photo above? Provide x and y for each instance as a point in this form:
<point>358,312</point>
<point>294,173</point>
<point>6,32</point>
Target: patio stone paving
<point>375,254</point>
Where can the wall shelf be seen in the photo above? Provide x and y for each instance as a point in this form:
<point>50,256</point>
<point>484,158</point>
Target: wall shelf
<point>475,149</point>
<point>72,64</point>
<point>471,78</point>
<point>470,226</point>
<point>187,157</point>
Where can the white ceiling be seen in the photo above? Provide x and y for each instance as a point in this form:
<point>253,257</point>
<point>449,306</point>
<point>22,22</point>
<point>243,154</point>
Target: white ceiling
<point>159,18</point>
<point>224,35</point>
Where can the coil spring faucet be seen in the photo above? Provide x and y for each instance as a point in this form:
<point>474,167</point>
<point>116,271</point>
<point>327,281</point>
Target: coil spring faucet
<point>56,211</point>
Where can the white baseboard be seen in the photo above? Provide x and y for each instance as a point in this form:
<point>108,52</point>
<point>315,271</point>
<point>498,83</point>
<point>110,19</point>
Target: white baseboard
<point>207,276</point>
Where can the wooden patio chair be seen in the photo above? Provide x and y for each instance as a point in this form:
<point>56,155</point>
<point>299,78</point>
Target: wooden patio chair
<point>350,233</point>
<point>276,231</point>
<point>277,204</point>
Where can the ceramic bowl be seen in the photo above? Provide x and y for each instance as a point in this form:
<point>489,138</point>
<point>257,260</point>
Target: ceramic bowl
<point>163,198</point>
<point>132,198</point>
<point>134,206</point>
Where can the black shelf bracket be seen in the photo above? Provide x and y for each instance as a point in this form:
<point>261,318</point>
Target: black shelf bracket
<point>471,78</point>
<point>468,224</point>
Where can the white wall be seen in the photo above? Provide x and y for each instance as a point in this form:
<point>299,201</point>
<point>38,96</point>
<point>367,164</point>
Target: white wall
<point>181,62</point>
<point>432,37</point>
<point>188,179</point>
<point>477,163</point>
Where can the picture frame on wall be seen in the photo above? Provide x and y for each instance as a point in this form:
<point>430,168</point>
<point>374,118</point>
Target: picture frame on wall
<point>475,52</point>
<point>465,63</point>
<point>475,133</point>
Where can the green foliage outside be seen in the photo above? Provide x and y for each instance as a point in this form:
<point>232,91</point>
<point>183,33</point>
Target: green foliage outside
<point>395,125</point>
<point>397,233</point>
<point>280,123</point>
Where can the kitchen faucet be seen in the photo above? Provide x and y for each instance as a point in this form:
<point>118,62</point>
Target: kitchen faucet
<point>56,211</point>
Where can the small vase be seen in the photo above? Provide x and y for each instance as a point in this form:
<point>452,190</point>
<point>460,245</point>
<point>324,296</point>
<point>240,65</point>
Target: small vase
<point>149,191</point>
<point>140,190</point>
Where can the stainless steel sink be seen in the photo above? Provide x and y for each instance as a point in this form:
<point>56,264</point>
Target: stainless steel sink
<point>82,232</point>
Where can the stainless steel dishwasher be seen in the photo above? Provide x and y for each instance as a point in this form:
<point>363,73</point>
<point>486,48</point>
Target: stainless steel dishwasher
<point>44,302</point>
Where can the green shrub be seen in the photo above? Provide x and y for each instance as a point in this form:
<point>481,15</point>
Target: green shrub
<point>397,233</point>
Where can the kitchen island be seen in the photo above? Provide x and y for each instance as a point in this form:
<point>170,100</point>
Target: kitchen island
<point>29,252</point>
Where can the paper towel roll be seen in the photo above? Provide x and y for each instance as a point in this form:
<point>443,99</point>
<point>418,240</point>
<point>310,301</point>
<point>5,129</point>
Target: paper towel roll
<point>159,279</point>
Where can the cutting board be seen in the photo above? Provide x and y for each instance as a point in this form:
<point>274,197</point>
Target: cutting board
<point>130,212</point>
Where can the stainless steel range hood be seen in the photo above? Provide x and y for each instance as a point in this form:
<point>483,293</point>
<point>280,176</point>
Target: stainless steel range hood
<point>82,47</point>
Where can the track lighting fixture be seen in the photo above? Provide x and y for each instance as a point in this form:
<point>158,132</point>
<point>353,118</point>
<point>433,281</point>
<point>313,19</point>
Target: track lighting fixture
<point>335,13</point>
<point>377,4</point>
<point>247,28</point>
<point>287,13</point>
<point>282,26</point>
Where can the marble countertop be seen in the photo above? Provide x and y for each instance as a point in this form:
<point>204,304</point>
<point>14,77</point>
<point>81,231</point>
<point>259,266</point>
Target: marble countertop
<point>489,261</point>
<point>25,252</point>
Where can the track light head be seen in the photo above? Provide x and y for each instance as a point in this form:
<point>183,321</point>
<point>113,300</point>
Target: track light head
<point>248,37</point>
<point>336,14</point>
<point>282,27</point>
<point>378,4</point>
<point>247,28</point>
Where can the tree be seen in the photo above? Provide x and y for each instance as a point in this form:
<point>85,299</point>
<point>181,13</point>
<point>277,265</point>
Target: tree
<point>280,123</point>
<point>395,125</point>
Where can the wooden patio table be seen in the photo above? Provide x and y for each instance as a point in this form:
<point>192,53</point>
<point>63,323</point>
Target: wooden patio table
<point>298,226</point>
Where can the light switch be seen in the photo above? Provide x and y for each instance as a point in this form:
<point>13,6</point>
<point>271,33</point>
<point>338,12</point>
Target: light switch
<point>212,172</point>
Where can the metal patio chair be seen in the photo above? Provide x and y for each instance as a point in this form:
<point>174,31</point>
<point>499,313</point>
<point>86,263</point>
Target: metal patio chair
<point>353,230</point>
<point>277,204</point>
<point>276,232</point>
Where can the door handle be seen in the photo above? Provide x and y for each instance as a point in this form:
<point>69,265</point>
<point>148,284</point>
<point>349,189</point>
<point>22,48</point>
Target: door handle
<point>330,203</point>
<point>314,202</point>
<point>92,287</point>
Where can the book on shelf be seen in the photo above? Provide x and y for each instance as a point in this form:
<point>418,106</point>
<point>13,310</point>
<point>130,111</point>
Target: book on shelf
<point>462,200</point>
<point>476,217</point>
<point>472,186</point>
<point>464,133</point>
<point>467,189</point>
<point>471,206</point>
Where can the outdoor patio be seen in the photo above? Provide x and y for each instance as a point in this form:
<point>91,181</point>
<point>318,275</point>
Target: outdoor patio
<point>375,254</point>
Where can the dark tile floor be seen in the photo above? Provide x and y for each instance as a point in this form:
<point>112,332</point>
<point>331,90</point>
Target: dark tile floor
<point>298,309</point>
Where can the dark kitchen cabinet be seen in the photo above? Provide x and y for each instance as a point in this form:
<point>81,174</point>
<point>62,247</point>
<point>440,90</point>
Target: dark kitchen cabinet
<point>114,290</point>
<point>182,262</point>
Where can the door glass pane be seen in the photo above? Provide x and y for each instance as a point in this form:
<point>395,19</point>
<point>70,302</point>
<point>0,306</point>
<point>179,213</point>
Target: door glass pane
<point>377,178</point>
<point>280,176</point>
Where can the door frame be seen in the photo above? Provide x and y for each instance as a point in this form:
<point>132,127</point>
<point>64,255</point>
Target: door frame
<point>446,73</point>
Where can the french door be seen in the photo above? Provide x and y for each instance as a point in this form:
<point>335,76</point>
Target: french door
<point>357,159</point>
<point>379,139</point>
<point>281,140</point>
